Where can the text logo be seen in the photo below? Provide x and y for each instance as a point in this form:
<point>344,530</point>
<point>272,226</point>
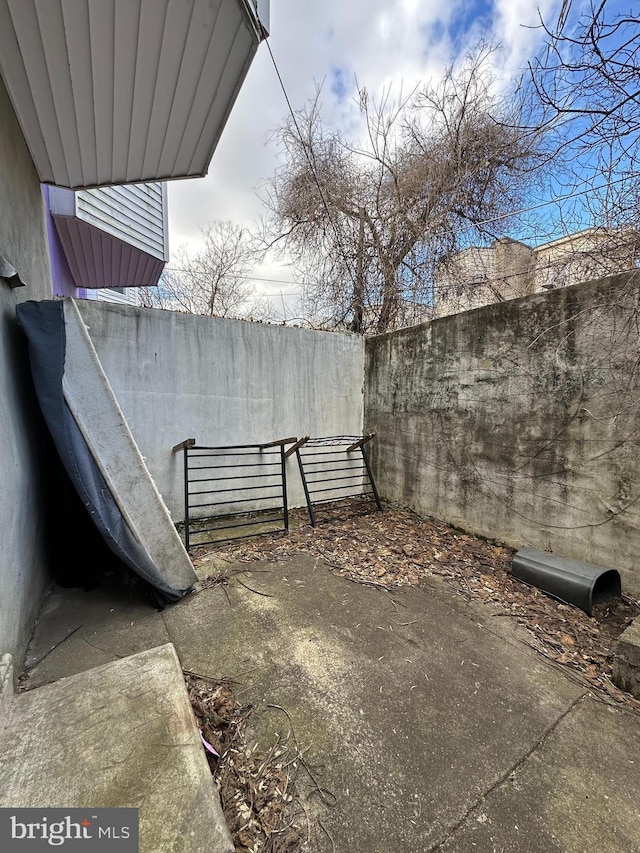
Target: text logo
<point>28,830</point>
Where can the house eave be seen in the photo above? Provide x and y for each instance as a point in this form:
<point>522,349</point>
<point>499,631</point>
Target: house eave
<point>122,264</point>
<point>122,92</point>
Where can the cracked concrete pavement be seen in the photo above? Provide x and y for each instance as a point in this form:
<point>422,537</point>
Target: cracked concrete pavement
<point>432,725</point>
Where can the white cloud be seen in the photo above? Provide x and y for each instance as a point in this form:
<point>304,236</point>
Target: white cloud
<point>335,41</point>
<point>517,28</point>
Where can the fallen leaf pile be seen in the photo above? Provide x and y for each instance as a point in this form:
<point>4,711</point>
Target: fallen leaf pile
<point>257,788</point>
<point>396,548</point>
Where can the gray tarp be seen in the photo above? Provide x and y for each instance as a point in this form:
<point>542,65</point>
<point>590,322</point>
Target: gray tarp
<point>97,449</point>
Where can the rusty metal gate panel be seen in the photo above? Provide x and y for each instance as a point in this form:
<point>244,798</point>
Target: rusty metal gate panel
<point>334,467</point>
<point>232,488</point>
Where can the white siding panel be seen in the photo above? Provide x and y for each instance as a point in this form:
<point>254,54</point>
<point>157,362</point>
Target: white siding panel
<point>126,37</point>
<point>121,91</point>
<point>56,54</point>
<point>234,72</point>
<point>187,83</point>
<point>134,214</point>
<point>150,39</point>
<point>20,93</point>
<point>174,43</point>
<point>107,211</point>
<point>78,41</point>
<point>25,21</point>
<point>129,297</point>
<point>102,75</point>
<point>219,48</point>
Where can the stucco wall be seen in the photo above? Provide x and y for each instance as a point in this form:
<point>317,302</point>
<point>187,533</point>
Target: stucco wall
<point>223,382</point>
<point>22,507</point>
<point>519,421</point>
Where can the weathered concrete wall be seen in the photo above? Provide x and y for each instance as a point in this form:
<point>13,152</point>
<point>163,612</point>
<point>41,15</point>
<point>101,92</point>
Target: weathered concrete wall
<point>23,574</point>
<point>223,382</point>
<point>519,421</point>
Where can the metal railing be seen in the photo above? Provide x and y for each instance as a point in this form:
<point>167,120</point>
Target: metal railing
<point>333,468</point>
<point>232,488</point>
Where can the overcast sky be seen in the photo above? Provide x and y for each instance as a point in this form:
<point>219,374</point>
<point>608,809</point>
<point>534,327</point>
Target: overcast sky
<point>336,41</point>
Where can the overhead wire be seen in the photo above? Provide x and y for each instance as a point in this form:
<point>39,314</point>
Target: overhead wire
<point>248,277</point>
<point>312,167</point>
<point>471,226</point>
<point>548,202</point>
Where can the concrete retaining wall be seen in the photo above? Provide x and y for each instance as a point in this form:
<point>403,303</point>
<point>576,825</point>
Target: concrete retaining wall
<point>223,382</point>
<point>519,421</point>
<point>23,570</point>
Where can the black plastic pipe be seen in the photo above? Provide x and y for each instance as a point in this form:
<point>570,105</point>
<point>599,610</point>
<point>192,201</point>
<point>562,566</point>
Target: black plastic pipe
<point>570,581</point>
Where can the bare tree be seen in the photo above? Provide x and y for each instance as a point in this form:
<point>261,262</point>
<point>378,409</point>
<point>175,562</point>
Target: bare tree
<point>585,95</point>
<point>369,223</point>
<point>587,85</point>
<point>590,69</point>
<point>215,280</point>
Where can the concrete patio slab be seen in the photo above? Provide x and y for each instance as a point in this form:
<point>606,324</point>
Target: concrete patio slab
<point>78,630</point>
<point>418,711</point>
<point>412,710</point>
<point>118,735</point>
<point>578,790</point>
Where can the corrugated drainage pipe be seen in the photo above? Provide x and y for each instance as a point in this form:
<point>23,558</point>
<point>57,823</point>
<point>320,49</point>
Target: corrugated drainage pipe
<point>570,581</point>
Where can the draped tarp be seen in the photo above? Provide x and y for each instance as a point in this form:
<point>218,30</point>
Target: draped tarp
<point>97,448</point>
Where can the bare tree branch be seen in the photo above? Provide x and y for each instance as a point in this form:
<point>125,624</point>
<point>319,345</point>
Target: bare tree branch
<point>214,281</point>
<point>368,222</point>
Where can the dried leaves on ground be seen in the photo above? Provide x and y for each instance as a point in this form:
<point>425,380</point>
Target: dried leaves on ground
<point>397,548</point>
<point>257,787</point>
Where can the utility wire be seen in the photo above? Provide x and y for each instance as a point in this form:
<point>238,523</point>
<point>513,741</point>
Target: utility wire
<point>248,277</point>
<point>312,167</point>
<point>547,203</point>
<point>487,221</point>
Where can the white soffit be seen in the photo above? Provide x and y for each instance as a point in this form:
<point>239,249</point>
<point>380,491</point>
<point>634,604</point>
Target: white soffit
<point>121,91</point>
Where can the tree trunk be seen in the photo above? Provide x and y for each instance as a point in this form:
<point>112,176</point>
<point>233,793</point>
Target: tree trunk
<point>389,306</point>
<point>357,303</point>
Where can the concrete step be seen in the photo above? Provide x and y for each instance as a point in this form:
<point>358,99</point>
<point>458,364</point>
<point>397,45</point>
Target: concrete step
<point>122,734</point>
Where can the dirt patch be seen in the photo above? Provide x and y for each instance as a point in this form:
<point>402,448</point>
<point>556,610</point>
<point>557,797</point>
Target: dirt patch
<point>398,548</point>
